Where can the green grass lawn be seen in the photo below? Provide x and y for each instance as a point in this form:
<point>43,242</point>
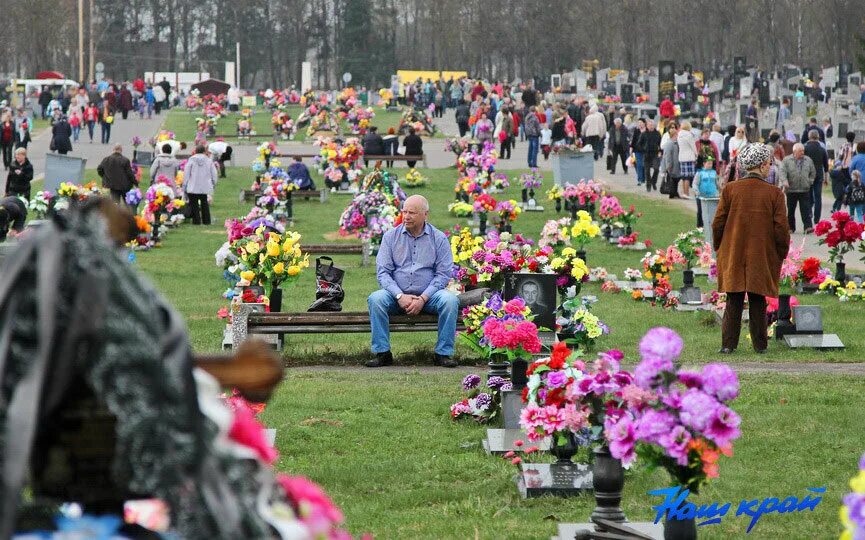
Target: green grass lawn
<point>182,122</point>
<point>383,447</point>
<point>186,258</point>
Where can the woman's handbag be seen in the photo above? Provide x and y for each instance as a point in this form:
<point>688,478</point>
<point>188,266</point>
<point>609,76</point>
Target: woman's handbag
<point>329,293</point>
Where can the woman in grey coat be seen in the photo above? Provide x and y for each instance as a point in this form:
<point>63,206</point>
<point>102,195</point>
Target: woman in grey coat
<point>670,163</point>
<point>199,181</point>
<point>164,164</point>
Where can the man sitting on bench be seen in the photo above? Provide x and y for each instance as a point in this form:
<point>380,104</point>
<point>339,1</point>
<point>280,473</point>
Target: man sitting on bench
<point>299,174</point>
<point>414,266</point>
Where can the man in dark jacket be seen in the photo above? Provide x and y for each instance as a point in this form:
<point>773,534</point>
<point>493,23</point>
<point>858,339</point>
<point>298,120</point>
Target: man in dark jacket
<point>20,175</point>
<point>650,145</point>
<point>373,144</point>
<point>125,101</point>
<point>61,133</point>
<point>618,144</point>
<point>13,213</point>
<point>116,173</point>
<point>462,115</point>
<point>299,174</point>
<point>638,130</point>
<point>812,124</point>
<point>577,114</point>
<point>815,151</point>
<point>45,98</point>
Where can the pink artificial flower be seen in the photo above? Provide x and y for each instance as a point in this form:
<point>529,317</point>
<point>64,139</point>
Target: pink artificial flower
<point>314,507</point>
<point>675,444</point>
<point>515,306</point>
<point>247,431</point>
<point>723,427</point>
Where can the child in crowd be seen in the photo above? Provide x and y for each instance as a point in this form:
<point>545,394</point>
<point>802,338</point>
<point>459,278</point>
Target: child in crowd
<point>546,141</point>
<point>855,197</point>
<point>75,123</point>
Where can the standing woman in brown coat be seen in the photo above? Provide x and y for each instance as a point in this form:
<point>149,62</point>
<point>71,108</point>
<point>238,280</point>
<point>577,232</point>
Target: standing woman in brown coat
<point>751,236</point>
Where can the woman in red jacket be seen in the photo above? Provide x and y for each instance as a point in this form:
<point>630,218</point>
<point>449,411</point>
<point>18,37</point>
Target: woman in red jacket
<point>91,116</point>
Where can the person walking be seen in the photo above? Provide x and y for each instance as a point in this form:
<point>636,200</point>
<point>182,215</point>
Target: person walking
<point>796,177</point>
<point>23,123</point>
<point>639,165</point>
<point>650,146</point>
<point>752,127</point>
<point>751,237</point>
<point>812,124</point>
<point>117,175</point>
<point>855,197</point>
<point>199,181</point>
<point>413,146</point>
<point>75,124</point>
<point>670,163</point>
<point>7,139</point>
<point>61,132</point>
<point>106,120</point>
<point>462,115</point>
<point>532,129</point>
<point>484,129</point>
<point>820,159</point>
<point>125,101</point>
<point>618,145</point>
<point>707,193</point>
<point>20,175</point>
<point>687,157</point>
<point>505,134</point>
<point>840,173</point>
<point>783,116</point>
<point>594,129</point>
<point>91,116</point>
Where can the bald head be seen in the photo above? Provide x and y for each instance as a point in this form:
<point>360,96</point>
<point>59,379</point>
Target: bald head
<point>417,201</point>
<point>415,211</point>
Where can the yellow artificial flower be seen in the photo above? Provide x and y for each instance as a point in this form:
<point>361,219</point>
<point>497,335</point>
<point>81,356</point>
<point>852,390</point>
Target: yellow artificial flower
<point>857,483</point>
<point>278,268</point>
<point>851,285</point>
<point>274,237</point>
<point>569,252</point>
<point>293,270</point>
<point>247,275</point>
<point>593,230</point>
<point>253,248</point>
<point>272,249</point>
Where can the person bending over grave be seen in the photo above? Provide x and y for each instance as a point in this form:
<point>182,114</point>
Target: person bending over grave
<point>13,214</point>
<point>751,235</point>
<point>413,266</point>
<point>299,174</point>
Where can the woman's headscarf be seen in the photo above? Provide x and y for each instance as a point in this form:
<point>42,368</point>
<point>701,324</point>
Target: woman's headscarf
<point>753,155</point>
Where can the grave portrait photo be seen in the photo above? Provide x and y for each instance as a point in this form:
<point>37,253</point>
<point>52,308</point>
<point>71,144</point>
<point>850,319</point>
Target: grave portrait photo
<point>538,291</point>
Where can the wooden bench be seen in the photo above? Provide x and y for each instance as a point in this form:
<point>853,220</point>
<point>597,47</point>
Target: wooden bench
<point>247,320</point>
<point>250,195</point>
<point>372,157</point>
<point>364,249</point>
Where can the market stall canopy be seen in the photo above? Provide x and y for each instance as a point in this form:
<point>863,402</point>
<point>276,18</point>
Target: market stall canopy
<point>50,75</point>
<point>211,86</point>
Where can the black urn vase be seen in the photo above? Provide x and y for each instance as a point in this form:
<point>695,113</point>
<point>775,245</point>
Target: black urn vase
<point>840,273</point>
<point>608,481</point>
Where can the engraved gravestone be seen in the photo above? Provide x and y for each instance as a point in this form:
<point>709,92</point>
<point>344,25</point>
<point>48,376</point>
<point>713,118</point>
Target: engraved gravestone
<point>814,341</point>
<point>499,441</point>
<point>539,479</point>
<point>809,319</point>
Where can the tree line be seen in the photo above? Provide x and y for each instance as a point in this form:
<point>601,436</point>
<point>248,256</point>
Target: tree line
<point>497,39</point>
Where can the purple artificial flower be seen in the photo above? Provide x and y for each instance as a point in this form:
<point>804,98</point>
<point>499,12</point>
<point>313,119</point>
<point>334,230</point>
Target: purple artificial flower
<point>647,373</point>
<point>471,381</point>
<point>698,409</point>
<point>690,379</point>
<point>602,383</point>
<point>723,428</point>
<point>660,343</point>
<point>675,444</point>
<point>720,381</point>
<point>496,382</point>
<point>672,398</point>
<point>483,401</point>
<point>495,301</point>
<point>855,503</point>
<point>507,387</point>
<point>862,462</point>
<point>622,438</point>
<point>654,424</point>
<point>556,379</point>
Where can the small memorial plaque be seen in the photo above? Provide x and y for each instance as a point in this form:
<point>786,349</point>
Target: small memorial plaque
<point>512,406</point>
<point>814,341</point>
<point>649,530</point>
<point>500,441</point>
<point>809,319</point>
<point>694,307</point>
<point>690,295</point>
<point>539,479</point>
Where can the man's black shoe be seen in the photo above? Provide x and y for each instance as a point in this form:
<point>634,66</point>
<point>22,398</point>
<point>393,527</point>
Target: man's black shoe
<point>445,361</point>
<point>760,351</point>
<point>381,359</point>
<point>725,350</point>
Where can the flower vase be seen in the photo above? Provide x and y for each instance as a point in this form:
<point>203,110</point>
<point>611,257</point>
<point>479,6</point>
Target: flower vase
<point>628,230</point>
<point>482,223</point>
<point>581,253</point>
<point>532,194</point>
<point>680,529</point>
<point>607,231</point>
<point>688,277</point>
<point>590,208</point>
<point>558,205</point>
<point>840,273</point>
<point>499,366</point>
<point>608,481</point>
<point>275,300</point>
<point>574,208</point>
<point>564,452</point>
<point>466,198</point>
<point>784,325</point>
<point>525,195</point>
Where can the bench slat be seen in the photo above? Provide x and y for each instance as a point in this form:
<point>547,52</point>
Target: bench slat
<point>332,248</point>
<point>331,318</point>
<point>339,329</point>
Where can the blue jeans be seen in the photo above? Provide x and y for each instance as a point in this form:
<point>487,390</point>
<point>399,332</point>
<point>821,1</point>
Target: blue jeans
<point>533,151</point>
<point>857,212</point>
<point>638,165</point>
<point>382,305</point>
<point>817,199</point>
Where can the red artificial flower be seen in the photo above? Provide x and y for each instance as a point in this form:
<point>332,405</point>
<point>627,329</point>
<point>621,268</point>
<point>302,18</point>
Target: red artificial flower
<point>852,231</point>
<point>840,217</point>
<point>810,267</point>
<point>525,395</point>
<point>823,227</point>
<point>556,397</point>
<point>833,238</point>
<point>559,355</point>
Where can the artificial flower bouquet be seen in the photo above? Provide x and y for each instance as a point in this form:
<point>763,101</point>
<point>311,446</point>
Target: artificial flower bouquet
<point>659,264</point>
<point>556,233</point>
<point>489,259</point>
<point>662,293</point>
<point>841,234</point>
<point>460,209</point>
<point>414,179</point>
<point>583,230</point>
<point>69,193</point>
<point>508,211</point>
<point>483,161</point>
<point>269,259</point>
<point>496,327</point>
<point>40,204</point>
<point>686,423</point>
<point>577,325</point>
<point>484,204</point>
<point>583,194</point>
<point>481,406</point>
<point>690,244</point>
<point>610,212</point>
<point>570,270</point>
<point>532,180</point>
